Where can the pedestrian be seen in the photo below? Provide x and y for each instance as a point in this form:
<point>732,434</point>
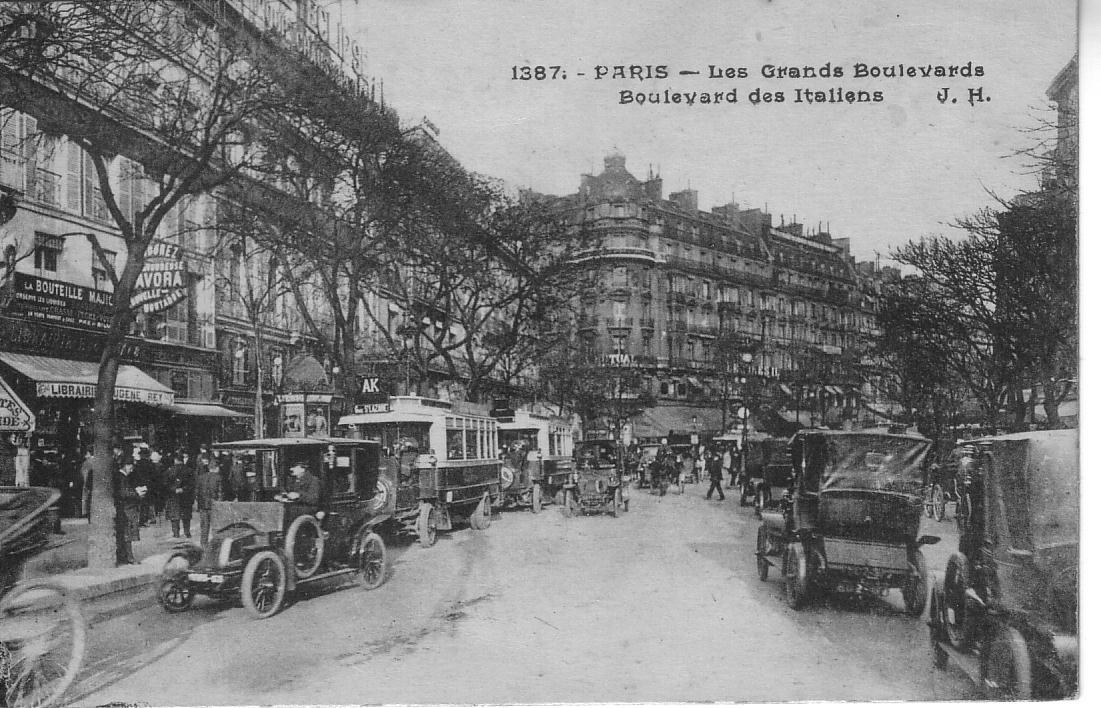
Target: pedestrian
<point>181,494</point>
<point>236,487</point>
<point>698,467</point>
<point>715,473</point>
<point>87,466</point>
<point>145,474</point>
<point>128,497</point>
<point>158,489</point>
<point>208,489</point>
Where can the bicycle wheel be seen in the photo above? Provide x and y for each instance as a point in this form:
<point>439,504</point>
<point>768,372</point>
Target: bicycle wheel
<point>42,635</point>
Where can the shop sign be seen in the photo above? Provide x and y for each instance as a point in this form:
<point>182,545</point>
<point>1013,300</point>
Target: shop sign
<point>61,303</point>
<point>325,398</point>
<point>15,417</point>
<point>163,281</point>
<point>371,408</point>
<point>49,389</point>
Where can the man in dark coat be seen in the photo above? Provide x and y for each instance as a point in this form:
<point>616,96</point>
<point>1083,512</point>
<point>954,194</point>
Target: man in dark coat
<point>128,497</point>
<point>714,468</point>
<point>145,474</point>
<point>180,482</point>
<point>208,489</point>
<point>304,488</point>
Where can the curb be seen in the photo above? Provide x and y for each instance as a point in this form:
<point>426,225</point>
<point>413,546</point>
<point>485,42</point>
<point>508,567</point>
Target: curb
<point>88,585</point>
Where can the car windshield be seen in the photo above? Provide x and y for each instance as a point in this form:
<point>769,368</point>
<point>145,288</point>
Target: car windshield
<point>877,462</point>
<point>602,452</point>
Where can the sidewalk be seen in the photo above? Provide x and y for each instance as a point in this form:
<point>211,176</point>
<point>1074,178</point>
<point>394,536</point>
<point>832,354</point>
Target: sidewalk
<point>66,562</point>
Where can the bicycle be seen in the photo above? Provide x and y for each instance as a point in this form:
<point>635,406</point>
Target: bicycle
<point>42,628</point>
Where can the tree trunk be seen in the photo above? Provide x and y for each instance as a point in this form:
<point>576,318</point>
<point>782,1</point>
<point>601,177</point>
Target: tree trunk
<point>258,402</point>
<point>1052,399</point>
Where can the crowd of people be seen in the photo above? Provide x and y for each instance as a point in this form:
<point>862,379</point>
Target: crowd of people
<point>668,466</point>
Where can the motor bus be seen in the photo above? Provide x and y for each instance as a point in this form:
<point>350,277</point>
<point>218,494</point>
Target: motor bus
<point>537,458</point>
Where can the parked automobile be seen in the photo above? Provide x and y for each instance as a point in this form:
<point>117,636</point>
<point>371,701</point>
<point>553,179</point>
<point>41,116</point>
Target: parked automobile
<point>1007,610</point>
<point>262,549</point>
<point>430,490</point>
<point>773,465</point>
<point>850,521</point>
<point>597,483</point>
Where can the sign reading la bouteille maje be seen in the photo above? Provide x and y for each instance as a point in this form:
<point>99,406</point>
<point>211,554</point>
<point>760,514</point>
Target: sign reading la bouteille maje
<point>163,281</point>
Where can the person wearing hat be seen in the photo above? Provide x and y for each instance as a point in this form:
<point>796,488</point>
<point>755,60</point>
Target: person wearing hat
<point>145,474</point>
<point>181,494</point>
<point>304,487</point>
<point>208,489</point>
<point>129,493</point>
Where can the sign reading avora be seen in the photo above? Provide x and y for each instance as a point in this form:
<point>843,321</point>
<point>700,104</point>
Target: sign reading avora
<point>163,281</point>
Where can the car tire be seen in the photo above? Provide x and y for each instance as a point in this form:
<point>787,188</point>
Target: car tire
<point>264,584</point>
<point>916,589</point>
<point>426,525</point>
<point>938,503</point>
<point>958,628</point>
<point>796,575</point>
<point>936,628</point>
<point>304,546</point>
<point>372,560</point>
<point>1006,667</point>
<point>175,595</point>
<point>762,550</point>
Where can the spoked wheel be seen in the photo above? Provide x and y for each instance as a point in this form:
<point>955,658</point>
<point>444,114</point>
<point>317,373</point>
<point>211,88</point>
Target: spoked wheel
<point>762,549</point>
<point>305,545</point>
<point>372,560</point>
<point>796,576</point>
<point>916,588</point>
<point>482,515</point>
<point>175,594</point>
<point>536,498</point>
<point>1006,667</point>
<point>264,584</point>
<point>938,502</point>
<point>426,525</point>
<point>41,643</point>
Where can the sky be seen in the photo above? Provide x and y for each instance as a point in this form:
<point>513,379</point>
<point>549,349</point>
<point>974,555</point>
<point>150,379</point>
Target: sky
<point>880,172</point>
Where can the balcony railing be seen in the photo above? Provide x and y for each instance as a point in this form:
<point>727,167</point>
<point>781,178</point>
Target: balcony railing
<point>677,326</point>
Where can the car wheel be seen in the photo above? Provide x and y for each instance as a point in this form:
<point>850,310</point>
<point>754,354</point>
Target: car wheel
<point>481,516</point>
<point>43,642</point>
<point>304,545</point>
<point>426,525</point>
<point>263,584</point>
<point>796,575</point>
<point>938,503</point>
<point>956,625</point>
<point>762,549</point>
<point>536,498</point>
<point>1005,667</point>
<point>175,595</point>
<point>372,560</point>
<point>916,589</point>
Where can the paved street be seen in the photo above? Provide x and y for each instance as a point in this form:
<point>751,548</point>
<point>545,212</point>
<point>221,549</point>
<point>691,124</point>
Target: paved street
<point>662,604</point>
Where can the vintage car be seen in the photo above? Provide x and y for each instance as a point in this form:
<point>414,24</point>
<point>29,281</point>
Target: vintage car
<point>429,492</point>
<point>597,481</point>
<point>851,519</point>
<point>260,550</point>
<point>1007,611</point>
<point>768,473</point>
<point>537,460</point>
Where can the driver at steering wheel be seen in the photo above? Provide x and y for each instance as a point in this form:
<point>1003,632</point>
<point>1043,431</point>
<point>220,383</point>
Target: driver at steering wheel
<point>304,487</point>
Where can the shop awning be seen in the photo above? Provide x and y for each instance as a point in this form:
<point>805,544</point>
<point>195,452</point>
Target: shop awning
<point>65,378</point>
<point>204,410</point>
<point>663,420</point>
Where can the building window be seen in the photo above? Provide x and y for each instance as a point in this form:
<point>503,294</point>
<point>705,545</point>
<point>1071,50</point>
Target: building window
<point>47,251</point>
<point>100,280</point>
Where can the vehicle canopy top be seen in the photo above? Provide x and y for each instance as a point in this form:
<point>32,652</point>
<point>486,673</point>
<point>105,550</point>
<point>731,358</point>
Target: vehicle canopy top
<point>1034,482</point>
<point>836,460</point>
